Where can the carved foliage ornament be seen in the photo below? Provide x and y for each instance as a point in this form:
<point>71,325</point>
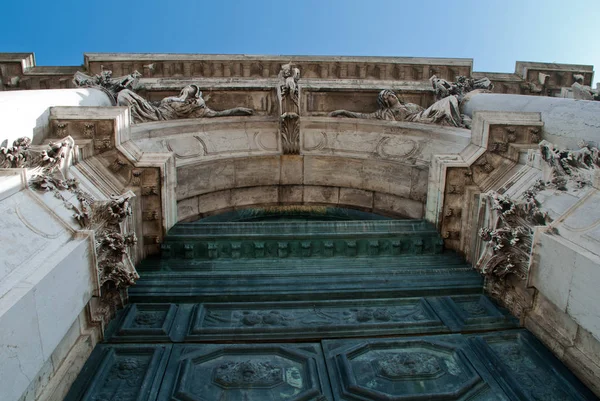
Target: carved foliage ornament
<point>509,233</point>
<point>50,168</point>
<point>288,94</point>
<point>570,166</point>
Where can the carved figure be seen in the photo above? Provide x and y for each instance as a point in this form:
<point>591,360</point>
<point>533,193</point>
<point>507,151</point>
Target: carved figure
<point>288,91</point>
<point>106,83</point>
<point>537,86</point>
<point>288,94</point>
<point>570,165</point>
<point>581,91</point>
<point>189,104</point>
<point>445,111</point>
<point>460,88</point>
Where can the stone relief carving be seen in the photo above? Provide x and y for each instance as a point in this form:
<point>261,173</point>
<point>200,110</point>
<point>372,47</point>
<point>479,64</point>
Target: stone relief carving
<point>123,381</point>
<point>288,90</point>
<point>106,83</point>
<point>444,112</point>
<point>411,365</point>
<point>570,167</point>
<point>111,250</point>
<point>460,88</point>
<point>508,233</point>
<point>289,126</point>
<point>48,171</point>
<point>251,373</point>
<point>54,157</point>
<point>189,104</point>
<point>314,316</point>
<point>537,86</point>
<point>288,94</point>
<point>581,91</point>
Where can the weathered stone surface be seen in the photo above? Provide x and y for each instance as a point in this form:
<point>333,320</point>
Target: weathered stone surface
<point>254,196</point>
<point>356,197</point>
<point>291,194</point>
<point>214,201</point>
<point>188,208</point>
<point>401,206</point>
<point>321,194</point>
<point>292,170</point>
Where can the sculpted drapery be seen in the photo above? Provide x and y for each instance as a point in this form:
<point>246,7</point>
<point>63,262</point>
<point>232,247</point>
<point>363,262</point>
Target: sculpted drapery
<point>189,104</point>
<point>445,111</point>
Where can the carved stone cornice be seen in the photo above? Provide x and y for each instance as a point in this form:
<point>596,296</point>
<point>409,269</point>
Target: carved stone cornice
<point>455,180</point>
<point>123,166</point>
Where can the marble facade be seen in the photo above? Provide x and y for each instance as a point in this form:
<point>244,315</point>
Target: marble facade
<point>290,152</point>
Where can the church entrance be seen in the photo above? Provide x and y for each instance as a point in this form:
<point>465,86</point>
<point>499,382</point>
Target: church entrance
<point>315,304</point>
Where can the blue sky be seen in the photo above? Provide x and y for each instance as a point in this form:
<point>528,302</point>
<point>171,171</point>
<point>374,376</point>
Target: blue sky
<point>495,33</point>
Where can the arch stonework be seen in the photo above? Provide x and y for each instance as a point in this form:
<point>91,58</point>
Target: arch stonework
<point>376,166</point>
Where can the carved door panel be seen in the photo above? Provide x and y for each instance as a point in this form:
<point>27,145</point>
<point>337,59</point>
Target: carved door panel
<point>503,366</point>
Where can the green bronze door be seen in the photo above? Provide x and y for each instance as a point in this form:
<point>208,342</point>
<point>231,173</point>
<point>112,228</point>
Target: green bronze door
<point>260,307</point>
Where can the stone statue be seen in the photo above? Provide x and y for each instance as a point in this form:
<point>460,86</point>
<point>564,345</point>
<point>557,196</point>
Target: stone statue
<point>460,88</point>
<point>189,104</point>
<point>288,94</point>
<point>537,86</point>
<point>581,91</point>
<point>106,83</point>
<point>445,111</point>
<point>288,91</point>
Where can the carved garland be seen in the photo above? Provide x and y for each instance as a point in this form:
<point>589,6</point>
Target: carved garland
<point>49,168</point>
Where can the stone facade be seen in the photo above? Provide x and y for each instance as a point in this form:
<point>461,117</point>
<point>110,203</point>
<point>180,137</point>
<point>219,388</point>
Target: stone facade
<point>521,210</point>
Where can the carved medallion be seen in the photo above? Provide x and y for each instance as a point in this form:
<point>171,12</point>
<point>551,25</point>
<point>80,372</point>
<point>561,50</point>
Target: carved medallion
<point>251,373</point>
<point>411,365</point>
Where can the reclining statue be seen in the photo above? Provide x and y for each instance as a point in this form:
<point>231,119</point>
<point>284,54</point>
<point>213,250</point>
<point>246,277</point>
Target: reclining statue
<point>189,104</point>
<point>445,111</point>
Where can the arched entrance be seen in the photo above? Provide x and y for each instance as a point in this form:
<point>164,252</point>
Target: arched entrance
<point>298,303</point>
